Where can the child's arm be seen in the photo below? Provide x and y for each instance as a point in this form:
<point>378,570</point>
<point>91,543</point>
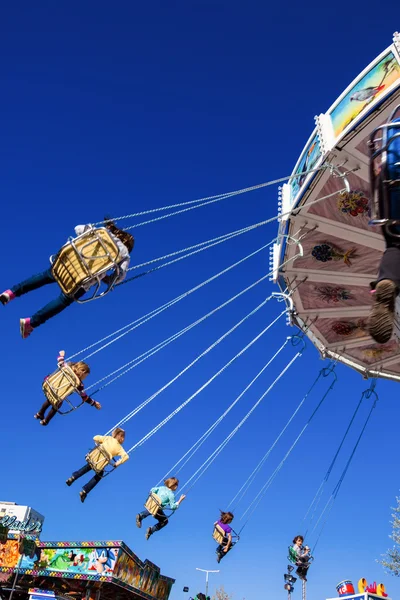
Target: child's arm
<point>88,399</point>
<point>61,358</point>
<point>229,544</point>
<point>124,457</point>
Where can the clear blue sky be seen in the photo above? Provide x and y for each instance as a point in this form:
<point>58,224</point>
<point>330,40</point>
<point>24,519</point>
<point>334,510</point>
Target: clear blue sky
<point>120,107</point>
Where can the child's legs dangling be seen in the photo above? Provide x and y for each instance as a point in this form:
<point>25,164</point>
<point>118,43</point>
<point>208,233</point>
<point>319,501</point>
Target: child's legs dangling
<point>33,283</point>
<point>92,482</point>
<point>82,471</point>
<point>43,408</point>
<point>162,521</point>
<point>53,308</point>
<point>145,513</point>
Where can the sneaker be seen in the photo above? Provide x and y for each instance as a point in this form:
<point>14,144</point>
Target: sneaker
<point>138,521</point>
<point>44,422</point>
<point>380,322</point>
<point>6,297</point>
<point>25,327</point>
<point>83,495</point>
<point>219,558</point>
<point>37,416</point>
<point>70,481</point>
<point>148,533</point>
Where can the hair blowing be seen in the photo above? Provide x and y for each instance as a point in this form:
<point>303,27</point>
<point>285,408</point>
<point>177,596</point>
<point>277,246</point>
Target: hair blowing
<point>226,517</point>
<point>126,238</point>
<point>171,482</point>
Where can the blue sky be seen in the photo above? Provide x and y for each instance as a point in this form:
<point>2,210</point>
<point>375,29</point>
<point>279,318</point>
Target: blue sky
<point>117,109</point>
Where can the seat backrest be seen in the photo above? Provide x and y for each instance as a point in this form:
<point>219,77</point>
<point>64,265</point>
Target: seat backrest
<point>219,534</point>
<point>292,555</point>
<point>60,384</point>
<point>86,256</point>
<point>153,503</point>
<point>98,458</point>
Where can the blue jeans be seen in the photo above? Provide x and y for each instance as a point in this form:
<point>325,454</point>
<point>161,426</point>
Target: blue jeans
<point>52,308</point>
<point>220,549</point>
<point>160,516</point>
<point>90,484</point>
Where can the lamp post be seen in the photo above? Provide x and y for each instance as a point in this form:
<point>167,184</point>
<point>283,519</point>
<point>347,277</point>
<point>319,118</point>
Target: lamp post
<point>206,572</point>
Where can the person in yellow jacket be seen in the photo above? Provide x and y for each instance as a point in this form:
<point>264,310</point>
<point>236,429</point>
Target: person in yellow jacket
<point>108,446</point>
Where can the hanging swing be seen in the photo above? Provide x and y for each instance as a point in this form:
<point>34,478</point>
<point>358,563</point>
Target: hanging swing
<point>100,461</point>
<point>154,504</point>
<point>294,558</point>
<point>220,535</point>
<point>59,386</point>
<point>84,259</point>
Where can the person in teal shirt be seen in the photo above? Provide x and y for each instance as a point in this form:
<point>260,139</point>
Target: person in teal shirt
<point>167,498</point>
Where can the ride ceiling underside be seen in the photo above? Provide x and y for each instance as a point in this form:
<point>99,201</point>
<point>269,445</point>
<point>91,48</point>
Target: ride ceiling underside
<point>330,282</point>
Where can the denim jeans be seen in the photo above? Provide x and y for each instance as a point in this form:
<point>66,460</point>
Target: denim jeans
<point>52,308</point>
<point>220,548</point>
<point>90,484</point>
<point>160,516</point>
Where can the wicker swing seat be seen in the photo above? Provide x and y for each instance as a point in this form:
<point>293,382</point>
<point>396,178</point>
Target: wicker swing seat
<point>84,259</point>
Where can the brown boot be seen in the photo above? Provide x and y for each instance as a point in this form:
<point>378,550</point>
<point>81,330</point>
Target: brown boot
<point>380,322</point>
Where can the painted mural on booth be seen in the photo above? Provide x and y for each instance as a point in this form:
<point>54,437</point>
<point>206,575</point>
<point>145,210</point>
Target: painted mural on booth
<point>85,561</point>
<point>370,87</point>
<point>144,577</point>
<point>9,554</point>
<point>128,570</point>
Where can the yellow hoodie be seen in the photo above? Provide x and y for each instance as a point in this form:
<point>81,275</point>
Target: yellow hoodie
<point>109,448</point>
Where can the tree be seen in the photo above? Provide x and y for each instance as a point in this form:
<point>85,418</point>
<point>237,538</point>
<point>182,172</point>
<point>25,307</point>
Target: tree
<point>221,594</point>
<point>391,560</point>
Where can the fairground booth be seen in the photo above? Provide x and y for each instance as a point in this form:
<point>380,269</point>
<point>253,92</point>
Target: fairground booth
<point>90,570</point>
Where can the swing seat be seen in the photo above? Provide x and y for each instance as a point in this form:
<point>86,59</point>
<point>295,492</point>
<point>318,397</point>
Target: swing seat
<point>3,534</point>
<point>153,504</point>
<point>220,535</point>
<point>84,259</point>
<point>294,558</point>
<point>385,175</point>
<point>59,385</point>
<point>292,555</point>
<point>98,459</point>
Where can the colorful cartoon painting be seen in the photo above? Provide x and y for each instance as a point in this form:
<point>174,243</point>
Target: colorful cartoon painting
<point>9,554</point>
<point>308,160</point>
<point>370,87</point>
<point>86,561</point>
<point>107,562</point>
<point>128,570</point>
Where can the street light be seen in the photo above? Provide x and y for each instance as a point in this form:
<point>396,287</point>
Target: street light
<point>206,572</point>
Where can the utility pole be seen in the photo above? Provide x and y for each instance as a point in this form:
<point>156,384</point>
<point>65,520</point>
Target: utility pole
<point>303,590</point>
<point>290,581</point>
<point>206,572</point>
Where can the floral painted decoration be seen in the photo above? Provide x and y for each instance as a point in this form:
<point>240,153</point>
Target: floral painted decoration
<point>326,252</point>
<point>376,353</point>
<point>348,327</point>
<point>353,203</point>
<point>333,294</point>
